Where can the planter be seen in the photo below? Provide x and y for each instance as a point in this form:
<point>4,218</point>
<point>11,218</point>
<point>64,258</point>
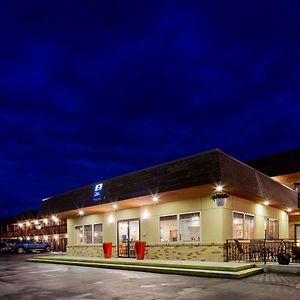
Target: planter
<point>220,201</point>
<point>107,250</point>
<point>283,260</point>
<point>140,250</point>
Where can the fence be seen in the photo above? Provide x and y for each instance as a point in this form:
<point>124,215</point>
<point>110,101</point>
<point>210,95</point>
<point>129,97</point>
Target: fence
<point>257,250</point>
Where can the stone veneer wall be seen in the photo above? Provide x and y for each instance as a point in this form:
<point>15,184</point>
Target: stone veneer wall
<point>86,250</point>
<point>190,251</point>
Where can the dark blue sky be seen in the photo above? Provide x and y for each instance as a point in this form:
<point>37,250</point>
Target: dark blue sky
<point>90,91</point>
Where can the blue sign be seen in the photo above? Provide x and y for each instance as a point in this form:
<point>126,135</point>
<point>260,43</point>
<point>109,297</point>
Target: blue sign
<point>98,191</point>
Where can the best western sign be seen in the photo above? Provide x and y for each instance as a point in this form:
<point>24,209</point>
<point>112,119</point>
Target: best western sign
<point>98,191</point>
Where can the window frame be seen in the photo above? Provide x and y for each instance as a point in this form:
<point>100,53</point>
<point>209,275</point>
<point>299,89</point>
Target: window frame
<point>83,238</point>
<point>178,227</point>
<point>267,226</point>
<point>244,215</point>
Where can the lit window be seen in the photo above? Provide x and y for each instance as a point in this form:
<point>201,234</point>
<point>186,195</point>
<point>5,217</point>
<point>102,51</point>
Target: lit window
<point>186,224</point>
<point>88,234</point>
<point>98,233</point>
<point>168,229</point>
<point>243,226</point>
<point>79,235</point>
<point>271,228</point>
<point>189,225</point>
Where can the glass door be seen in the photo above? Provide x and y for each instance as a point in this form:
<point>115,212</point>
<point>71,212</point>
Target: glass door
<point>128,234</point>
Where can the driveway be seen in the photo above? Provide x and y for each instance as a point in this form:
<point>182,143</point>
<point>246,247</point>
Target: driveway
<point>20,279</point>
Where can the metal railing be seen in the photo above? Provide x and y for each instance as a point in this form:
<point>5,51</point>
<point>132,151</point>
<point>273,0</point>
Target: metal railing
<point>257,250</point>
<point>56,229</point>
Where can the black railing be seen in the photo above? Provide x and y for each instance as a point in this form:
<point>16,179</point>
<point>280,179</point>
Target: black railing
<point>56,229</point>
<point>257,250</point>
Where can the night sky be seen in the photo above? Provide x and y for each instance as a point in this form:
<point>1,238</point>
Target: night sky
<point>90,90</point>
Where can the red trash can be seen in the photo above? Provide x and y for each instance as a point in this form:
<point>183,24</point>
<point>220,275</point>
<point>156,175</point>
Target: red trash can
<point>107,250</point>
<point>140,250</point>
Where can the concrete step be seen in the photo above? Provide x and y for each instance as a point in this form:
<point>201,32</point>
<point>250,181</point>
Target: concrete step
<point>140,266</point>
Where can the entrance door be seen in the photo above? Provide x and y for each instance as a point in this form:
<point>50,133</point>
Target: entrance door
<point>128,234</point>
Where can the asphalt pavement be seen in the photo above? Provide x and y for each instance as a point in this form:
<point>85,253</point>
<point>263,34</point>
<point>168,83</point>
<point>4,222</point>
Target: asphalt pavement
<point>20,279</point>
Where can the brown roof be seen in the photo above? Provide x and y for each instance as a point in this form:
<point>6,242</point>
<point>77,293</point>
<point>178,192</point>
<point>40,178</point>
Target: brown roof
<point>202,169</point>
<point>278,164</point>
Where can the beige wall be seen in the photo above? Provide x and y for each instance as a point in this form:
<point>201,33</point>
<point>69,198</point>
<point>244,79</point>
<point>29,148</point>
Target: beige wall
<point>216,222</point>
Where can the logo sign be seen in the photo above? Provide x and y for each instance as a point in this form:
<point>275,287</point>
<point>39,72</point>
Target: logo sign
<point>98,191</point>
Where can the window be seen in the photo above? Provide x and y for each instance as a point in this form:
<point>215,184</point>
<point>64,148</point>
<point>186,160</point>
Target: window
<point>243,226</point>
<point>271,228</point>
<point>187,225</point>
<point>168,229</point>
<point>88,234</point>
<point>98,238</point>
<point>79,235</point>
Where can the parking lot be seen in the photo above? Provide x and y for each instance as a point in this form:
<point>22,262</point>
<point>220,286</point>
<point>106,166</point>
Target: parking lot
<point>20,279</point>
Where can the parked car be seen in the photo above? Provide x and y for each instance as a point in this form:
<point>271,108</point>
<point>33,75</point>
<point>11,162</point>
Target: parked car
<point>27,246</point>
<point>2,247</point>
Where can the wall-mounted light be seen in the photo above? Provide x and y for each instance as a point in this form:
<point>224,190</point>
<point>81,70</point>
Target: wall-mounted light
<point>115,205</point>
<point>27,223</point>
<point>20,225</point>
<point>289,209</point>
<point>81,212</point>
<point>28,238</point>
<point>46,221</point>
<point>111,219</point>
<point>266,202</point>
<point>54,219</point>
<point>66,236</point>
<point>145,214</point>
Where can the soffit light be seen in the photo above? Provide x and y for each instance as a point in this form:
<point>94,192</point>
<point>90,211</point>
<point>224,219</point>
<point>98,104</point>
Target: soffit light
<point>81,213</point>
<point>266,202</point>
<point>289,209</point>
<point>155,198</point>
<point>115,205</point>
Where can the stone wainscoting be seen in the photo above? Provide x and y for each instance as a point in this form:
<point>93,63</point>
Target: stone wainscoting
<point>86,250</point>
<point>178,251</point>
<point>190,251</point>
